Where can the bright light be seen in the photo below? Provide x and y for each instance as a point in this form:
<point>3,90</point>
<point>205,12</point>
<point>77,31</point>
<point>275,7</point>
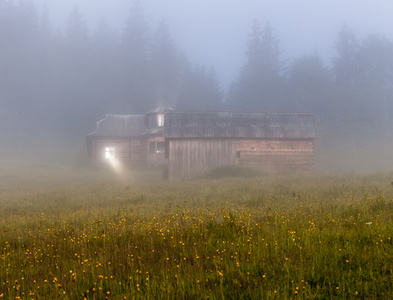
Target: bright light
<point>116,165</point>
<point>160,120</point>
<point>113,161</point>
<point>109,153</point>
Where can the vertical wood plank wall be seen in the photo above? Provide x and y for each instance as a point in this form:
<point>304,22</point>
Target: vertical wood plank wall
<point>190,157</point>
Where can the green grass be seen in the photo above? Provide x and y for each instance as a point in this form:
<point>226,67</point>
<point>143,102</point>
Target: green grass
<point>307,237</point>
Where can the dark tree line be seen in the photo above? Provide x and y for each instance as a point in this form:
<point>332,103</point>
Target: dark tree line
<point>359,79</point>
<point>66,80</point>
<point>352,98</point>
<point>60,82</point>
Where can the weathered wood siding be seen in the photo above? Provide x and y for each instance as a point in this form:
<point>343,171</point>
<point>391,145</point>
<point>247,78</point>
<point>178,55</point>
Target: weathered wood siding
<point>156,151</point>
<point>276,156</point>
<point>190,157</point>
<point>130,151</point>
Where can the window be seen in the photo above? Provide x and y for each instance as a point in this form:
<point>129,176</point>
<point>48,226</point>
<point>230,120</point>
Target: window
<point>109,153</point>
<point>160,120</point>
<point>156,147</point>
<point>160,147</point>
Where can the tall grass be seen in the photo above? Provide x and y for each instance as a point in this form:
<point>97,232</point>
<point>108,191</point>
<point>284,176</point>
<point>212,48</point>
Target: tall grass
<point>316,237</point>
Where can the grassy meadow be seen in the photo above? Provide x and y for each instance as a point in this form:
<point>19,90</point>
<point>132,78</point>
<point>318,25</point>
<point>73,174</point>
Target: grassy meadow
<point>88,235</point>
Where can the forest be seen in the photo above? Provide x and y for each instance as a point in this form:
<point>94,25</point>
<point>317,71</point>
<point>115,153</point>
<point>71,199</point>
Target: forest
<point>55,84</point>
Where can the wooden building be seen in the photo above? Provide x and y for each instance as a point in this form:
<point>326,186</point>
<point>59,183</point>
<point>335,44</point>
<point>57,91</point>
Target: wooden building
<point>132,140</point>
<point>118,137</point>
<point>154,134</point>
<point>197,142</point>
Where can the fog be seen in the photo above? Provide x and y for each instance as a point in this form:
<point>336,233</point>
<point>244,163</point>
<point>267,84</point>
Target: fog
<point>206,30</point>
<point>65,64</point>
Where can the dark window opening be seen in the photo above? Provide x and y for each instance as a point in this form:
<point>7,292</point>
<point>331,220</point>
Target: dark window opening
<point>238,154</point>
<point>160,147</point>
<point>156,147</point>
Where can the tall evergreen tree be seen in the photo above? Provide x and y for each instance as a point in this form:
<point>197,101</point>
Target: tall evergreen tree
<point>213,91</point>
<point>167,66</point>
<point>104,73</point>
<point>260,83</point>
<point>200,90</point>
<point>346,61</point>
<point>346,70</point>
<point>18,48</point>
<point>135,77</point>
<point>46,61</point>
<point>359,114</point>
<point>77,39</point>
<point>376,80</point>
<point>75,67</point>
<point>310,84</point>
<point>105,39</point>
<point>376,61</point>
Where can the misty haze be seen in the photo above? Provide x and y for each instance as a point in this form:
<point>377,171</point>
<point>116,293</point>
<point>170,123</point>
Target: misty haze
<point>167,149</point>
<point>61,72</point>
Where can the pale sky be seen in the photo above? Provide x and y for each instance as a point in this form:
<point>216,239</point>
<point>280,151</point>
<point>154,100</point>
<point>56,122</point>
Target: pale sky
<point>215,32</point>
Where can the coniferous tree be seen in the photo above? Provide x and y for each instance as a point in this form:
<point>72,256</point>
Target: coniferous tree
<point>360,108</point>
<point>104,73</point>
<point>167,66</point>
<point>75,69</point>
<point>310,84</point>
<point>57,84</point>
<point>376,81</point>
<point>260,84</point>
<point>77,41</point>
<point>213,92</point>
<point>346,101</point>
<point>346,62</point>
<point>200,90</point>
<point>18,48</point>
<point>376,61</point>
<point>135,78</point>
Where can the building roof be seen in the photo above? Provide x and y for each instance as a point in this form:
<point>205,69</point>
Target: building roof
<point>239,125</point>
<point>121,126</point>
<point>160,110</point>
